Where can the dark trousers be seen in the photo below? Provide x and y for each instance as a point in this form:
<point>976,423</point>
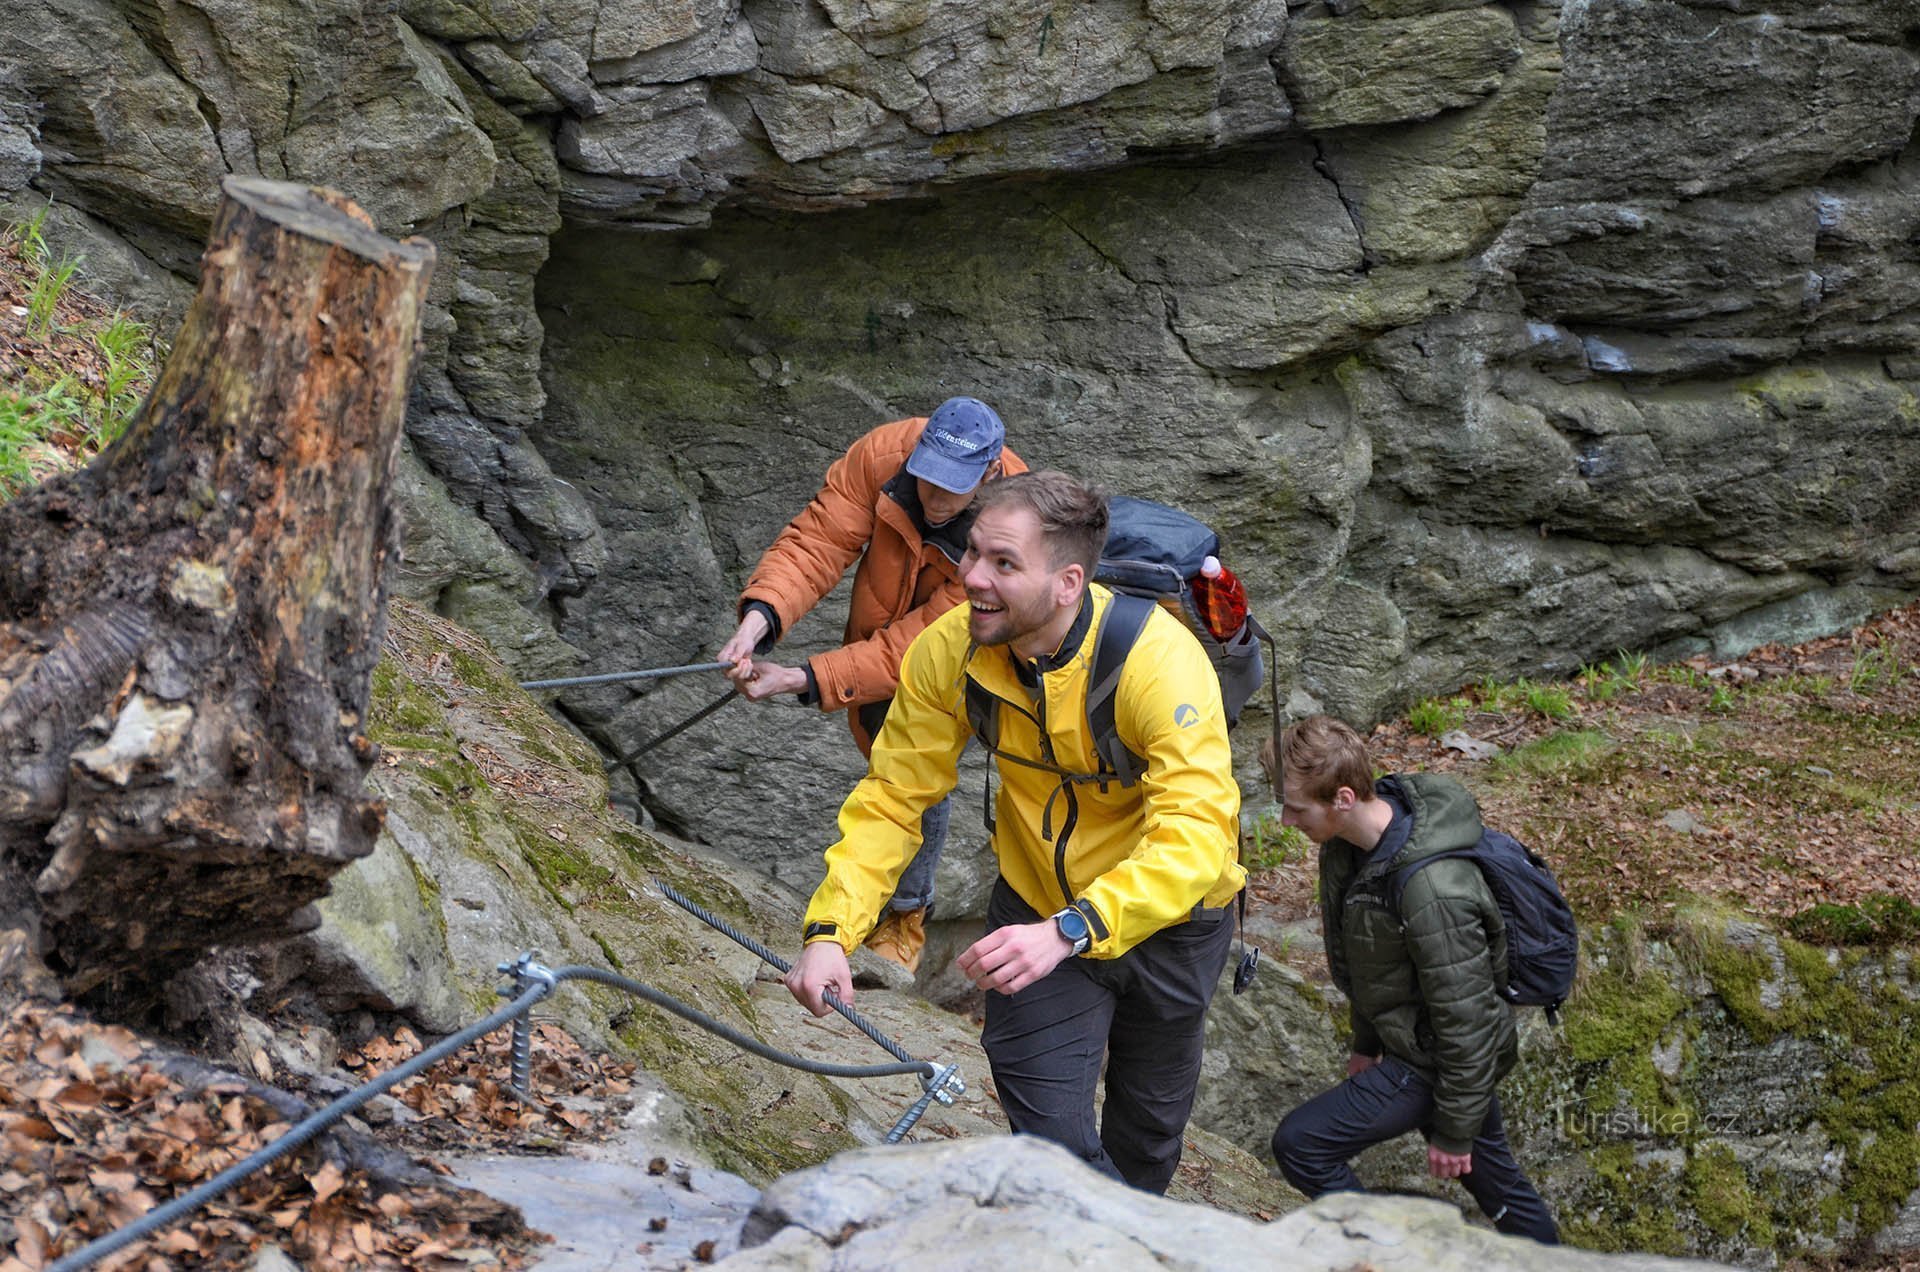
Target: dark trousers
<point>1314,1142</point>
<point>1144,1012</point>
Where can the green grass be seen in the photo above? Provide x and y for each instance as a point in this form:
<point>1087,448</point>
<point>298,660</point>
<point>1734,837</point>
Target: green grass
<point>29,236</point>
<point>1600,684</point>
<point>1555,753</point>
<point>1874,669</point>
<point>1273,844</point>
<point>68,406</point>
<point>27,420</point>
<point>51,276</point>
<point>1555,702</point>
<point>49,285</point>
<point>1435,716</point>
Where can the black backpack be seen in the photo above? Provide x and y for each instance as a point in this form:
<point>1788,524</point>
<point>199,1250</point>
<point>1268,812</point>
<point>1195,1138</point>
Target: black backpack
<point>1543,941</point>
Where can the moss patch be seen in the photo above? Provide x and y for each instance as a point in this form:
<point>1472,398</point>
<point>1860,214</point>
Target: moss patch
<point>1718,1194</point>
<point>1575,749</point>
<point>404,714</point>
<point>1617,1015</point>
<point>1867,1098</point>
<point>1622,1209</point>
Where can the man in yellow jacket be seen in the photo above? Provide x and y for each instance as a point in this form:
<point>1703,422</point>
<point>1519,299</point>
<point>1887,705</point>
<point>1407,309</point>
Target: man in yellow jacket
<point>1108,927</point>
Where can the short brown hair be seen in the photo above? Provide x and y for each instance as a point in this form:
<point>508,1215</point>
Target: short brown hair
<point>1072,514</point>
<point>1320,755</point>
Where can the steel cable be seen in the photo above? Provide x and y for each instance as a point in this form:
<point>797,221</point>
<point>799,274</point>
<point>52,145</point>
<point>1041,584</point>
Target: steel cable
<point>539,982</point>
<point>161,1216</point>
<point>612,677</point>
<point>721,925</point>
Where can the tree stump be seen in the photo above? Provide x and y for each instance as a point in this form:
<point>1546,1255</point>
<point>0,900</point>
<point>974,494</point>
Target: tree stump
<point>189,626</point>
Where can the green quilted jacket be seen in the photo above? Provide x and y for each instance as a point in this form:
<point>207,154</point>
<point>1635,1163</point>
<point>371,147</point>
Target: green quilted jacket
<point>1424,983</point>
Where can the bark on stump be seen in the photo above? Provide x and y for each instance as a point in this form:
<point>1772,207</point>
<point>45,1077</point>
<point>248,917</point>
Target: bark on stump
<point>189,626</point>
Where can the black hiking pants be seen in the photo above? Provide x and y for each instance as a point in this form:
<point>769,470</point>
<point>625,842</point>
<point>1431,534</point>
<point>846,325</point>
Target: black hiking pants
<point>1144,1013</point>
<point>1314,1141</point>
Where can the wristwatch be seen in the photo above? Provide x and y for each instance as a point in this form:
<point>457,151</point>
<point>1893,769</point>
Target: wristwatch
<point>1073,926</point>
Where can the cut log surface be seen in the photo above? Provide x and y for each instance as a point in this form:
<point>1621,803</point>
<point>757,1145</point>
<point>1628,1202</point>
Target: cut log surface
<point>189,627</point>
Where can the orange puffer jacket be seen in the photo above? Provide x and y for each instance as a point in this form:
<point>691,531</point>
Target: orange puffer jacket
<point>902,584</point>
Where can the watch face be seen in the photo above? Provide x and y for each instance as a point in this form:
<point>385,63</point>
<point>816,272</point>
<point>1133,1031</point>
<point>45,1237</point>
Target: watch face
<point>1072,925</point>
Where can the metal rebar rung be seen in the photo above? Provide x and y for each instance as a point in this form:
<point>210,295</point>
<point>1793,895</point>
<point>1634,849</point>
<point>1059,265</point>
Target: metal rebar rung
<point>937,1089</point>
<point>526,973</point>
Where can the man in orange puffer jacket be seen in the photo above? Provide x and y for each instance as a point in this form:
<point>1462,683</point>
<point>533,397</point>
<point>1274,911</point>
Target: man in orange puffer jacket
<point>897,502</point>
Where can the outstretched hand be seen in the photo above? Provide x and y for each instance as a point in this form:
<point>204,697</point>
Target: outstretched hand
<point>1013,957</point>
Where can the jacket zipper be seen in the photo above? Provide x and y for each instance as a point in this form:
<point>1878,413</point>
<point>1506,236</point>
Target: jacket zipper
<point>1073,804</point>
<point>1046,753</point>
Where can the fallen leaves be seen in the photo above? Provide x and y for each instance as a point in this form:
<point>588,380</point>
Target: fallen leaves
<point>91,1138</point>
<point>1796,788</point>
<point>465,1101</point>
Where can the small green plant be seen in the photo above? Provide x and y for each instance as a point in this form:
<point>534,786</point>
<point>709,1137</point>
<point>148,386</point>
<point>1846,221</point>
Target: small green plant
<point>126,349</point>
<point>51,422</point>
<point>1632,668</point>
<point>50,282</point>
<point>1684,676</point>
<point>1274,844</point>
<point>1601,683</point>
<point>28,234</point>
<point>51,277</point>
<point>1555,702</point>
<point>1722,698</point>
<point>1804,685</point>
<point>1552,701</point>
<point>1873,669</point>
<point>1435,716</point>
<point>27,420</point>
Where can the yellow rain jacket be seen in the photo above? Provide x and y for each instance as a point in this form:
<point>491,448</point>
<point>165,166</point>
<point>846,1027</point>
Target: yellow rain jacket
<point>1139,858</point>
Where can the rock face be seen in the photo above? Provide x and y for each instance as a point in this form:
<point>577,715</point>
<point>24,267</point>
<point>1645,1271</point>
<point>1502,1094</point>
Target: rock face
<point>1493,337</point>
<point>1719,1091</point>
<point>1722,1091</point>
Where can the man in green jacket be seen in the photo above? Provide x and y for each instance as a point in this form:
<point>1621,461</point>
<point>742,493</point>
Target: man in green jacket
<point>1432,1033</point>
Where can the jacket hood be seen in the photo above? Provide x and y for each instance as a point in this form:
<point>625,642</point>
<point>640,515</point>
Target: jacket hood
<point>1442,816</point>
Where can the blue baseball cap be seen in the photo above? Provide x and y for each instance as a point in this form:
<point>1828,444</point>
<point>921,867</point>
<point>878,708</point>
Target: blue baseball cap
<point>961,441</point>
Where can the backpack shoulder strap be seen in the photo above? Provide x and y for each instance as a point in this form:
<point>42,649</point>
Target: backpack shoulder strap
<point>1397,881</point>
<point>1120,629</point>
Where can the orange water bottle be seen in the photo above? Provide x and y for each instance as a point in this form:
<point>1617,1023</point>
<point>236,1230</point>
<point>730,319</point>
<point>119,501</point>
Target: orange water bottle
<point>1220,599</point>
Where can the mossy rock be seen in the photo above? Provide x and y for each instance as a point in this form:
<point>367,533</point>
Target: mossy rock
<point>1724,1091</point>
